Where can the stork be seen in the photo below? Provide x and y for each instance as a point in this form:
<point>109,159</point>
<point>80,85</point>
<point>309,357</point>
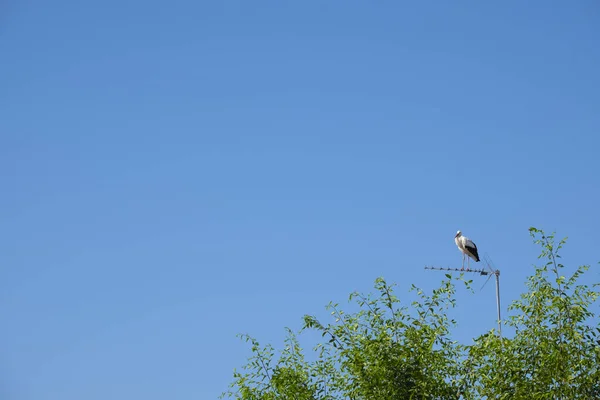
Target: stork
<point>467,247</point>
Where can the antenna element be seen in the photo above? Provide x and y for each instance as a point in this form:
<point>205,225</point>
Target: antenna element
<point>483,272</point>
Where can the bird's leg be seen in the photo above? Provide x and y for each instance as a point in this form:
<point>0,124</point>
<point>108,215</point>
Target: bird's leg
<point>463,264</point>
<point>468,263</point>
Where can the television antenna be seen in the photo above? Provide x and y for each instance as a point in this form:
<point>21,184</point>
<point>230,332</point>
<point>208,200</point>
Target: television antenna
<point>489,272</point>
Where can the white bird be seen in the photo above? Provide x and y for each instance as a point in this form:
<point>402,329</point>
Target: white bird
<point>467,247</point>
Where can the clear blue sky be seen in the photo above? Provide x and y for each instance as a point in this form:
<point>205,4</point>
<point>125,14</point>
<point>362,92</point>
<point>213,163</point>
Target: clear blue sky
<point>175,173</point>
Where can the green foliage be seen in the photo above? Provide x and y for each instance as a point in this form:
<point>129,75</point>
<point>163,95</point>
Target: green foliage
<point>554,353</point>
<point>391,350</point>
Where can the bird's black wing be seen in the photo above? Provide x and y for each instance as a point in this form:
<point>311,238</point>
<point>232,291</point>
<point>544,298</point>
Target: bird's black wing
<point>471,248</point>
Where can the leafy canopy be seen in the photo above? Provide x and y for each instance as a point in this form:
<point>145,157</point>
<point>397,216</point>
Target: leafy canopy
<point>388,350</point>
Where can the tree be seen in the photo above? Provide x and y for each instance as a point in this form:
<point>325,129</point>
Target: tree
<point>387,350</point>
<point>555,353</point>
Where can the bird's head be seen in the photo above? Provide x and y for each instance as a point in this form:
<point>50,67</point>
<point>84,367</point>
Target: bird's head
<point>458,233</point>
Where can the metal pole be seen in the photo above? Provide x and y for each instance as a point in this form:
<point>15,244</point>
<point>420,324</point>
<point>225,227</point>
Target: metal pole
<point>497,273</point>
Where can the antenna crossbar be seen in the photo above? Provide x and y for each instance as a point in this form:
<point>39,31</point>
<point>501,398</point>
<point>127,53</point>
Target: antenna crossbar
<point>480,271</point>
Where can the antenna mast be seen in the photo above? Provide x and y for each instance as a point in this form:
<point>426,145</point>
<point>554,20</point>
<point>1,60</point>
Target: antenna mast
<point>483,272</point>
